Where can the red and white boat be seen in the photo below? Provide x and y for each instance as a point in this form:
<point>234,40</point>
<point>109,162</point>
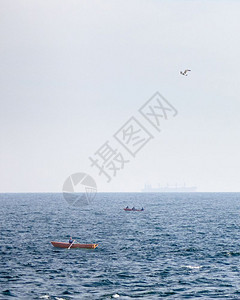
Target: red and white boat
<point>130,209</point>
<point>74,245</point>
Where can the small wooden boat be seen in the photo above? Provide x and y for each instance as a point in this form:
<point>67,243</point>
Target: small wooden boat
<point>66,245</point>
<point>130,209</point>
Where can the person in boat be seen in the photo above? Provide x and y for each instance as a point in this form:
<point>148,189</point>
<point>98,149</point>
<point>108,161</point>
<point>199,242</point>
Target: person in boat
<point>71,240</point>
<point>127,207</point>
<point>133,208</point>
<point>142,209</point>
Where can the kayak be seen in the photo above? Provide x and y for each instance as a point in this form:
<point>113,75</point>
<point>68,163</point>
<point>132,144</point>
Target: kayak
<point>66,245</point>
<point>129,209</point>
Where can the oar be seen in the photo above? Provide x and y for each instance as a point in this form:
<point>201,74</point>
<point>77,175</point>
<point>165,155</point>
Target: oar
<point>71,244</point>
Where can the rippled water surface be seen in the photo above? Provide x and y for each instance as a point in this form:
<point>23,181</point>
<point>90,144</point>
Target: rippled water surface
<point>181,246</point>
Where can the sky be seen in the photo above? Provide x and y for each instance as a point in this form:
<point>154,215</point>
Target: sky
<point>74,72</point>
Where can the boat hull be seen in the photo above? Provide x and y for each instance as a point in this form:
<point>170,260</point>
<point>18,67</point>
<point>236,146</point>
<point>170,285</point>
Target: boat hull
<point>129,209</point>
<point>66,245</point>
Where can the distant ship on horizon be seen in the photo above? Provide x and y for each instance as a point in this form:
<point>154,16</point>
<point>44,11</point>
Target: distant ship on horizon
<point>169,189</point>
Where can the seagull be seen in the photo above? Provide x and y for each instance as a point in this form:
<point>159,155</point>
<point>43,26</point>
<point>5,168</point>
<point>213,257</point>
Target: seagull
<point>185,72</point>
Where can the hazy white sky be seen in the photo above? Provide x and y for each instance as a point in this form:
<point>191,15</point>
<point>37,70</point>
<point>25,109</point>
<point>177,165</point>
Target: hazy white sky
<point>73,72</point>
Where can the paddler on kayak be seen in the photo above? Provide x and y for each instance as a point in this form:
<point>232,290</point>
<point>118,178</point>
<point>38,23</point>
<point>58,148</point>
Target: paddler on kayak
<point>71,240</point>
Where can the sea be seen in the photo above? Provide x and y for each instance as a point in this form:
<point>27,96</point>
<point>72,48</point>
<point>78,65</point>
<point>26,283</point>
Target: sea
<point>182,246</point>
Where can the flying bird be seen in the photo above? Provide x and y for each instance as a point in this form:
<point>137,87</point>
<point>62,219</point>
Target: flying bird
<point>185,72</point>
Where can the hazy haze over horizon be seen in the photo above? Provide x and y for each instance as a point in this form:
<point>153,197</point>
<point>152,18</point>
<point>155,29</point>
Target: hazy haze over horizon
<point>73,72</point>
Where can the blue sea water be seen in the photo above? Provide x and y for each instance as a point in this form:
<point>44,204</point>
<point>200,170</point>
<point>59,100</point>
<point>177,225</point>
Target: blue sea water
<point>183,246</point>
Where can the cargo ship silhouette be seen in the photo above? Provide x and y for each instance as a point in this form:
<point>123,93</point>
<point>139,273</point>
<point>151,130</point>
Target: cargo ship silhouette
<point>169,189</point>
